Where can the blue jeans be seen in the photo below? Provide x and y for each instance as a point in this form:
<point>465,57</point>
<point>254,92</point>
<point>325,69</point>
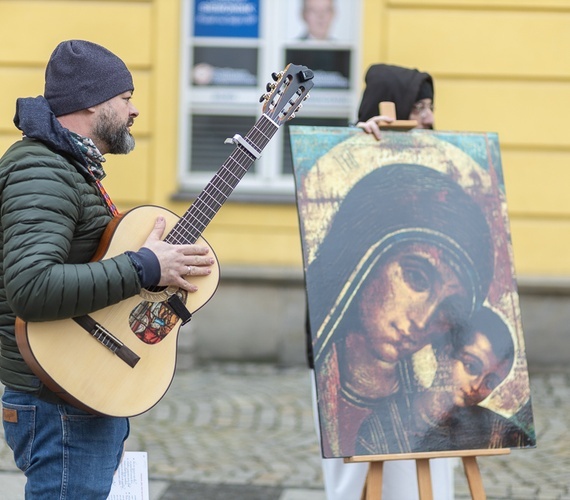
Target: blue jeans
<point>65,453</point>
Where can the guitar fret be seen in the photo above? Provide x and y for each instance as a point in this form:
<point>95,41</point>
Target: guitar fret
<point>196,226</point>
<point>229,176</point>
<point>218,201</point>
<point>265,136</point>
<point>228,179</point>
<point>211,197</point>
<point>204,208</point>
<point>199,219</point>
<point>240,153</point>
<point>188,235</point>
<point>221,186</point>
<point>214,200</point>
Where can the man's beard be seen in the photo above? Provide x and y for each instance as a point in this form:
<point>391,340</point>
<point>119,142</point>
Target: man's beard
<point>116,136</point>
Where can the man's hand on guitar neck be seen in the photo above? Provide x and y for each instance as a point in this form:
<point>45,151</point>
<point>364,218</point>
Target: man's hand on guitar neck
<point>178,261</point>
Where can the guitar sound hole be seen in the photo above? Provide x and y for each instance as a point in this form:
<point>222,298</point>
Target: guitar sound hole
<point>158,293</point>
<point>152,321</point>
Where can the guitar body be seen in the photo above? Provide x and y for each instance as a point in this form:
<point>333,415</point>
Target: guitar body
<point>85,372</point>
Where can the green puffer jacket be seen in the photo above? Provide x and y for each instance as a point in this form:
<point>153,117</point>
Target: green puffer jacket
<point>51,218</point>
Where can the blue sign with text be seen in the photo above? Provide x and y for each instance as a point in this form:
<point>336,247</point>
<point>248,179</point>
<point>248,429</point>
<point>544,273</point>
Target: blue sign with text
<point>226,18</point>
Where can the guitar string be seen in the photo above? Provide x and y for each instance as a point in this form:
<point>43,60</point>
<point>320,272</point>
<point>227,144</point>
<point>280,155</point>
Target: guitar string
<point>218,190</point>
<point>199,216</point>
<point>229,178</point>
<point>223,183</point>
<point>179,236</point>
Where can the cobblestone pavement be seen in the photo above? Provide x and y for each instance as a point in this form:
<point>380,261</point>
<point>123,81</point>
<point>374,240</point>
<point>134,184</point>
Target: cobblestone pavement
<point>246,432</point>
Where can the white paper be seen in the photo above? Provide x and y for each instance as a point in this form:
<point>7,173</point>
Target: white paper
<point>131,479</point>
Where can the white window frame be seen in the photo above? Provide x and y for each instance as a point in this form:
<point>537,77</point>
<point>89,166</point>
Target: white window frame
<point>268,179</point>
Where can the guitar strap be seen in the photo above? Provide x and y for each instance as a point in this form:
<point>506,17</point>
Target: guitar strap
<point>107,198</point>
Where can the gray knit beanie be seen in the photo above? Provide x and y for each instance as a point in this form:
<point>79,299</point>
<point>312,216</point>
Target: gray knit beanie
<point>82,74</point>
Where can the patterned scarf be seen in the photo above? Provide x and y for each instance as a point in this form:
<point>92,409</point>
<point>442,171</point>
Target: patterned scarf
<point>94,160</point>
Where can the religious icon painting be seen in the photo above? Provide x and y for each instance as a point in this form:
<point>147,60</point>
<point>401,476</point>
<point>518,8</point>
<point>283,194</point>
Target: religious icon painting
<point>413,307</point>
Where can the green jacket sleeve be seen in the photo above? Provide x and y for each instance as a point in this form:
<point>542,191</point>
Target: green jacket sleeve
<point>52,221</point>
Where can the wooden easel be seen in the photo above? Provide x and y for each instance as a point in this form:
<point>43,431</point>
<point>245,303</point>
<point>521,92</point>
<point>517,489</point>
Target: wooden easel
<point>373,485</point>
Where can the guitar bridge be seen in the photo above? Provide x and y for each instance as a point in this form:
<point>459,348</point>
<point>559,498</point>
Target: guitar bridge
<point>106,338</point>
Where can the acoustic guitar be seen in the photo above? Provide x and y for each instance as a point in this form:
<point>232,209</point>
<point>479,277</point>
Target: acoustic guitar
<point>120,360</point>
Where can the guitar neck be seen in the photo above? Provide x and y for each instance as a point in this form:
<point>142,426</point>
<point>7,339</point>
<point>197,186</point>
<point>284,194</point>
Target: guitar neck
<point>191,225</point>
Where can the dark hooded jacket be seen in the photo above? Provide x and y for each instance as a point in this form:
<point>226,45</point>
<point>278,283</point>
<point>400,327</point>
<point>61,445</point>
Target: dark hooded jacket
<point>385,82</point>
<point>52,217</point>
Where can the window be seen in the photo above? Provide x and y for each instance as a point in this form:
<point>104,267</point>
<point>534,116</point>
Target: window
<point>230,48</point>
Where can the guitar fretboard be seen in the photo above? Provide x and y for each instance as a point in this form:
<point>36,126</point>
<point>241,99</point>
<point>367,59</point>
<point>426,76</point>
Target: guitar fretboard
<point>191,225</point>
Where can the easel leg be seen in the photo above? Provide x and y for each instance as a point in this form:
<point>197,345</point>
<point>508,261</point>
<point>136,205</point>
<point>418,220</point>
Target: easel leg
<point>474,480</point>
<point>373,485</point>
<point>424,479</point>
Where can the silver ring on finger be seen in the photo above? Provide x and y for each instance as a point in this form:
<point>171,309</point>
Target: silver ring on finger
<point>188,271</point>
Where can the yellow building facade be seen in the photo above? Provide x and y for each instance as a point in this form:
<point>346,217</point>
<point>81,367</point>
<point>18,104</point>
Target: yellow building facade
<point>498,65</point>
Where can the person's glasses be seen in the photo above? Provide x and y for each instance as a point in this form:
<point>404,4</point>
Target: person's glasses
<point>420,108</point>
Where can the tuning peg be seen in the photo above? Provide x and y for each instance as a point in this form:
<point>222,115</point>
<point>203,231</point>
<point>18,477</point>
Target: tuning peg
<point>276,76</point>
<point>264,97</point>
<point>306,74</point>
<point>270,86</point>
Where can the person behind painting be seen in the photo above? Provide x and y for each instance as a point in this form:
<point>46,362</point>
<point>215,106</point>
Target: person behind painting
<point>54,211</point>
<point>318,16</point>
<point>412,91</point>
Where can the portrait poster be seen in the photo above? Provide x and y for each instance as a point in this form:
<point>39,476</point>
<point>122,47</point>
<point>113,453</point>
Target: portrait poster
<point>323,35</point>
<point>413,307</point>
<point>320,21</point>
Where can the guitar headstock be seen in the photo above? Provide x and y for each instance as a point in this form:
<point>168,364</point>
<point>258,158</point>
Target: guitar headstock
<point>286,94</point>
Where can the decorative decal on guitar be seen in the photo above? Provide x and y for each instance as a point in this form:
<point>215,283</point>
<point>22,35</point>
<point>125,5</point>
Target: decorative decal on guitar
<point>152,321</point>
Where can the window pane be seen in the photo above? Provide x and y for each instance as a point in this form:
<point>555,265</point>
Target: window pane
<point>207,138</point>
<point>225,66</point>
<point>331,66</point>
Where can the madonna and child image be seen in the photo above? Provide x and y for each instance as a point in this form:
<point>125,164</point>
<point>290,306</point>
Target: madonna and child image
<point>414,328</point>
